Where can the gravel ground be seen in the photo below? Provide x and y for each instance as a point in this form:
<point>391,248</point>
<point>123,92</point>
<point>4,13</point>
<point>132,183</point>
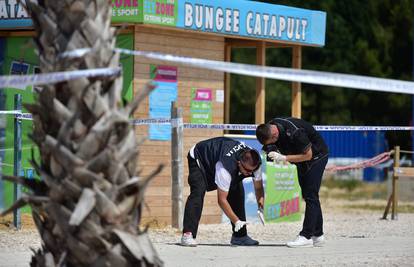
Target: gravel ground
<point>337,225</point>
<point>353,238</point>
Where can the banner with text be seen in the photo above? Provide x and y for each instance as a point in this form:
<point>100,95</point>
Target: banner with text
<point>13,15</point>
<point>283,194</point>
<point>231,17</point>
<point>126,11</point>
<point>161,12</point>
<point>254,20</point>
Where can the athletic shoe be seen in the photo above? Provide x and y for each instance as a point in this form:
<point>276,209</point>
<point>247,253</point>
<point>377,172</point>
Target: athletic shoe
<point>243,241</point>
<point>300,242</point>
<point>187,240</point>
<point>318,241</point>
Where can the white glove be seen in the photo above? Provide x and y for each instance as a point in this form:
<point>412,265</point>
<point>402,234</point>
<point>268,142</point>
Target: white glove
<point>239,225</point>
<point>276,156</point>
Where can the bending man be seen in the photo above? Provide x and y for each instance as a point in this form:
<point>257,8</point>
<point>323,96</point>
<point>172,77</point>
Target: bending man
<point>296,141</point>
<point>221,163</point>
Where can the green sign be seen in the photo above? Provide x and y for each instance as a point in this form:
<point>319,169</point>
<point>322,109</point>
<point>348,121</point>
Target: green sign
<point>283,194</point>
<point>19,57</point>
<point>126,11</point>
<point>159,12</point>
<point>201,106</point>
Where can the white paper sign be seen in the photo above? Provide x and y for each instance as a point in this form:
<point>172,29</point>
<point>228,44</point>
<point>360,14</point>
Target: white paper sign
<point>220,96</point>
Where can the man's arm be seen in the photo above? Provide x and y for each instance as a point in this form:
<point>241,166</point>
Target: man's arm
<point>307,155</point>
<point>225,205</point>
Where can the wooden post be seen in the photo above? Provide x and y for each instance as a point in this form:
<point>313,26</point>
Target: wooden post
<point>260,84</point>
<point>394,214</point>
<point>296,86</point>
<point>387,208</point>
<point>17,161</point>
<point>177,166</point>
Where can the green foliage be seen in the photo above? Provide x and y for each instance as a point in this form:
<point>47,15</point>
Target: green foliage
<point>372,38</point>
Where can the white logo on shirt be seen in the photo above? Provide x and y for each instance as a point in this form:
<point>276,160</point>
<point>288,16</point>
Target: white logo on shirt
<point>235,149</point>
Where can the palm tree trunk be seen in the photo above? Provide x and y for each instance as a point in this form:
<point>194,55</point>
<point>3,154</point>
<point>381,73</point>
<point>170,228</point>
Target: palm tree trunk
<point>88,204</point>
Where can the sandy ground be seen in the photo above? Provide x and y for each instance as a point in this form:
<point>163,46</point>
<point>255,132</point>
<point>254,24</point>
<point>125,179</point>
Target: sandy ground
<point>354,238</point>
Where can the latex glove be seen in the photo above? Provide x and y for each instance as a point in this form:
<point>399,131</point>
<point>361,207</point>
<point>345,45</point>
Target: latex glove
<point>276,156</point>
<point>239,225</point>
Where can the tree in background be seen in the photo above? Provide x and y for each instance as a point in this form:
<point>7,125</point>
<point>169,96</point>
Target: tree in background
<point>372,38</point>
<point>88,203</point>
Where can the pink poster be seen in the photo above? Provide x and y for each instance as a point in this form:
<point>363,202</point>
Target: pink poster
<point>203,95</point>
<point>164,73</point>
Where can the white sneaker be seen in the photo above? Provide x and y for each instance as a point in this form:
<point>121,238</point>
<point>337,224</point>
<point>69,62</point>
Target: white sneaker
<point>318,241</point>
<point>300,242</point>
<point>187,240</point>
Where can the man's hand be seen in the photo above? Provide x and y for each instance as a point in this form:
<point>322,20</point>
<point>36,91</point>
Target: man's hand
<point>276,156</point>
<point>260,203</point>
<point>239,225</point>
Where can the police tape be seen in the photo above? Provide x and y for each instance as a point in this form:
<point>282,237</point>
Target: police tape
<point>285,74</point>
<point>17,114</point>
<point>249,127</point>
<point>362,128</point>
<point>179,123</point>
<point>223,126</point>
<point>10,112</point>
<point>278,73</point>
<point>20,81</point>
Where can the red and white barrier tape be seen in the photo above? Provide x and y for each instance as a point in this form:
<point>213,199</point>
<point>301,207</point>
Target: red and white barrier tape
<point>363,164</point>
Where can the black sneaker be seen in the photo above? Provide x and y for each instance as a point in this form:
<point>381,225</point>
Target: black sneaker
<point>243,241</point>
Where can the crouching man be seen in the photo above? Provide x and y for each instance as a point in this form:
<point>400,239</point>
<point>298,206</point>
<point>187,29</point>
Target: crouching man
<point>221,163</point>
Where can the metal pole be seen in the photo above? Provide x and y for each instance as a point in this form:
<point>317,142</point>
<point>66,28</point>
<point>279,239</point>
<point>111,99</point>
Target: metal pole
<point>2,142</point>
<point>17,158</point>
<point>177,166</point>
<point>412,98</point>
<point>2,124</point>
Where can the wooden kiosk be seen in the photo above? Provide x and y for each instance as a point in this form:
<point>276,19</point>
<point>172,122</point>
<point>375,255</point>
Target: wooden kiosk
<point>206,29</point>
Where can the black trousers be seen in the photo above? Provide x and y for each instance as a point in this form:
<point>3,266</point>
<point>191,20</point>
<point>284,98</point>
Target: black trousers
<point>310,178</point>
<point>194,204</point>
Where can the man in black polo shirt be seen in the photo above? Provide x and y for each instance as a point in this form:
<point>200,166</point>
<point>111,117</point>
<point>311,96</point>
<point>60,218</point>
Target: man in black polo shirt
<point>221,163</point>
<point>295,140</point>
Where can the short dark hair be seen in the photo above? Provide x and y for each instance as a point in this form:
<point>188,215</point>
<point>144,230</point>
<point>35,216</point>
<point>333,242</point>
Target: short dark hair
<point>251,157</point>
<point>263,133</point>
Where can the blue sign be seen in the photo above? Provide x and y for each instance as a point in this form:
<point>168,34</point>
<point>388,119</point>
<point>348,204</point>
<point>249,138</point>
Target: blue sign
<point>160,107</point>
<point>231,17</point>
<point>254,20</point>
<point>14,15</point>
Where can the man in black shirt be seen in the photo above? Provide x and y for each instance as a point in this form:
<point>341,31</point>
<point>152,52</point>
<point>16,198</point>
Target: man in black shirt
<point>221,163</point>
<point>295,140</point>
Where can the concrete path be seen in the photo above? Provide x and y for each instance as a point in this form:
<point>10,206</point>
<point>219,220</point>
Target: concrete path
<point>384,251</point>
